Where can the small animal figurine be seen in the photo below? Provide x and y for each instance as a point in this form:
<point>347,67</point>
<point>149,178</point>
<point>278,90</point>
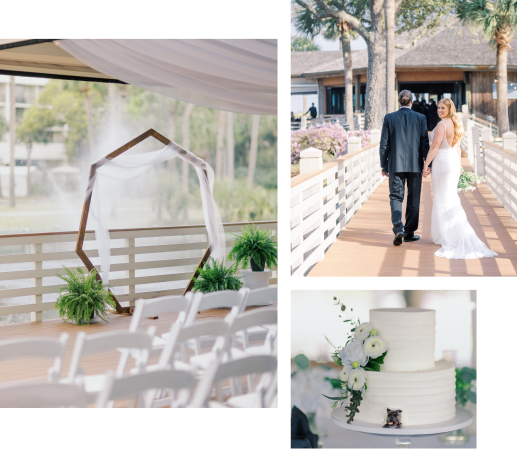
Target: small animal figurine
<point>393,419</point>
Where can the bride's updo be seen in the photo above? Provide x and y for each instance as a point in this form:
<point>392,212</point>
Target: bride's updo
<point>458,126</point>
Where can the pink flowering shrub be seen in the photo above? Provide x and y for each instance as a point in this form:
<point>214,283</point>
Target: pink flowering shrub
<point>329,138</point>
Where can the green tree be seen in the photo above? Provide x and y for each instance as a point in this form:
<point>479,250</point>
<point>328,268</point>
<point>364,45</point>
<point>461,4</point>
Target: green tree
<point>497,19</point>
<point>303,44</point>
<point>316,21</point>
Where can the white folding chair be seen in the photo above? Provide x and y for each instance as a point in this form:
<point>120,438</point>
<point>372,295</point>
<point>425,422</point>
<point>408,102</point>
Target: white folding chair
<point>42,395</point>
<point>260,297</point>
<point>86,345</point>
<point>221,299</point>
<point>253,318</point>
<point>147,308</point>
<point>264,397</point>
<point>142,388</point>
<point>256,365</point>
<point>53,348</point>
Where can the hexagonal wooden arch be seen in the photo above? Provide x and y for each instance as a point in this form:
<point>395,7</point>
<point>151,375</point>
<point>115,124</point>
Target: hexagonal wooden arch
<point>86,208</point>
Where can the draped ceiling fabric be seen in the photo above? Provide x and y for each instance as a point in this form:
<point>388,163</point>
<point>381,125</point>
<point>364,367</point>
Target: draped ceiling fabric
<point>235,75</point>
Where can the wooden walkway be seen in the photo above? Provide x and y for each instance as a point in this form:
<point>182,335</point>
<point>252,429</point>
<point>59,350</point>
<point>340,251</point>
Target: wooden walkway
<point>365,247</point>
<point>35,370</point>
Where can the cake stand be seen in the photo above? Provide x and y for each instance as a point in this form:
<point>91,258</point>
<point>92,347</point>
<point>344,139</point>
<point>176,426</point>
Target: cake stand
<point>402,436</point>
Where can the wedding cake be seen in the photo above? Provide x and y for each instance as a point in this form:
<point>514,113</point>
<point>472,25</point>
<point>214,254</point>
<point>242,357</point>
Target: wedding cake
<point>409,380</point>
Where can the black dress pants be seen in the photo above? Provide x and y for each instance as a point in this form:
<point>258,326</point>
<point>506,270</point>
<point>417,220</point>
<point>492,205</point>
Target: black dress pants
<point>397,187</point>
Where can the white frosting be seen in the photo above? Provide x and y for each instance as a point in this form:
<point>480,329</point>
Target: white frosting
<point>410,334</point>
<point>425,397</point>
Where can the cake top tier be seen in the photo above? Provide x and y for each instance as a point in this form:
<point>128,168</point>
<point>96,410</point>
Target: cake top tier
<point>404,316</point>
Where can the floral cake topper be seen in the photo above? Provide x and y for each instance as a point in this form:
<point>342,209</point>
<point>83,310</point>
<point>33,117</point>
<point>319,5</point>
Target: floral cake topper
<point>364,351</point>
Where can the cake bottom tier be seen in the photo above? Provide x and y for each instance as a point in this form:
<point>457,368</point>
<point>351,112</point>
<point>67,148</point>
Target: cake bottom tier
<point>425,397</point>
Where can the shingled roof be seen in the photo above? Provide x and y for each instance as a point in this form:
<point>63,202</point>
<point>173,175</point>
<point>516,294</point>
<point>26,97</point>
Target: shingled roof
<point>455,46</point>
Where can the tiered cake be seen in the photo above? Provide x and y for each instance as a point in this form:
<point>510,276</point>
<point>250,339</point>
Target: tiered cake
<point>410,380</point>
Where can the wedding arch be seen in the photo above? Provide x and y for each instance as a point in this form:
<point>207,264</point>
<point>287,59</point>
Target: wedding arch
<point>127,166</point>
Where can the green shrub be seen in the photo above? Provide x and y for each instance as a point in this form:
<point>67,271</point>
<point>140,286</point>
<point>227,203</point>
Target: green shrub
<point>214,276</point>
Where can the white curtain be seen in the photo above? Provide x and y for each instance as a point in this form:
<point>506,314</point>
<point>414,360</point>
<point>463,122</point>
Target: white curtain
<point>127,166</point>
<point>235,75</point>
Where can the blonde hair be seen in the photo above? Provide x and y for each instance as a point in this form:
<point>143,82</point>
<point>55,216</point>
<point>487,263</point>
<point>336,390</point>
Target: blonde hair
<point>458,126</point>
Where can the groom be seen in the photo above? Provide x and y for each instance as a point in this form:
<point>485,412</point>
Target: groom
<point>403,148</point>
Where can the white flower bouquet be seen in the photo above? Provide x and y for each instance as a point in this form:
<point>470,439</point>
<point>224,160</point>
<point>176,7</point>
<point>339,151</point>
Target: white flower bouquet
<point>466,180</point>
<point>364,351</point>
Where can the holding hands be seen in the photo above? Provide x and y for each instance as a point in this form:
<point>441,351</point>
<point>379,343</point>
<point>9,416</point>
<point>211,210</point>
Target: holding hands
<point>426,172</point>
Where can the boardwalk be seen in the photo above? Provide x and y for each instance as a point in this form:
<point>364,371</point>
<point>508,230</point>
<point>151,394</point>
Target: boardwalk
<point>365,247</point>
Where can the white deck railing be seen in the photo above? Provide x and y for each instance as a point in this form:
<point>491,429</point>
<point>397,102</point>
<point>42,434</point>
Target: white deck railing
<point>501,174</point>
<point>145,263</point>
<point>324,201</point>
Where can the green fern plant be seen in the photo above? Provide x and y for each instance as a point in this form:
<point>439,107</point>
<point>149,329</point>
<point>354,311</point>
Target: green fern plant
<point>82,297</point>
<point>255,247</point>
<point>214,276</point>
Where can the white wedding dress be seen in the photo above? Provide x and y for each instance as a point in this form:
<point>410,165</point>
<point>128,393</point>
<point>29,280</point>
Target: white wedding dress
<point>449,225</point>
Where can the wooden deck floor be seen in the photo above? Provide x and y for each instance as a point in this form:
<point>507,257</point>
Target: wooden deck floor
<point>365,247</point>
<point>36,369</point>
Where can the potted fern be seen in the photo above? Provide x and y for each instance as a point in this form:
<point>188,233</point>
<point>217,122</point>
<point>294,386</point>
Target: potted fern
<point>83,297</point>
<point>255,248</point>
<point>214,276</point>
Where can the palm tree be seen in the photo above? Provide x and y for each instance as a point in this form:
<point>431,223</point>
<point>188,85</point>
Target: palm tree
<point>314,20</point>
<point>497,19</point>
<point>219,169</point>
<point>185,128</point>
<point>253,149</point>
<point>4,127</point>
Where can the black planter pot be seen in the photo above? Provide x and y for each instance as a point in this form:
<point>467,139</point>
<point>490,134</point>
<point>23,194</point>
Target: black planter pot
<point>255,267</point>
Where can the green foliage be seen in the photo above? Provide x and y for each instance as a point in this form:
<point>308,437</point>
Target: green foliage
<point>466,179</point>
<point>214,276</point>
<point>303,44</point>
<point>257,244</point>
<point>302,361</point>
<point>238,202</point>
<point>420,14</point>
<point>353,406</point>
<point>4,127</point>
<point>465,388</point>
<point>82,296</point>
<point>497,18</point>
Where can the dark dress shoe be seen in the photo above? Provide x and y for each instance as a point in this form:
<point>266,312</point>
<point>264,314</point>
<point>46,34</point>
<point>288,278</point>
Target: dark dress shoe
<point>413,238</point>
<point>398,239</point>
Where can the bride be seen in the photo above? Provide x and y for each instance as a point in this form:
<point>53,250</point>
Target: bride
<point>449,225</point>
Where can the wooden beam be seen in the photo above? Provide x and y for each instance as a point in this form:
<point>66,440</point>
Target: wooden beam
<point>86,209</point>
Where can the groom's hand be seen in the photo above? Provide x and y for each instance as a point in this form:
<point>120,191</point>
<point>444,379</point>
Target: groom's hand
<point>426,172</point>
<point>384,173</point>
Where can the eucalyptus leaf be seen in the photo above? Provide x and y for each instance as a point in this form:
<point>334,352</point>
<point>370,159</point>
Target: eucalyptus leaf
<point>302,361</point>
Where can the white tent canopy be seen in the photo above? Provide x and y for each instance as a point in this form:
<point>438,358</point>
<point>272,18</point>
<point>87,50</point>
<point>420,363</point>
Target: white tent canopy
<point>236,75</point>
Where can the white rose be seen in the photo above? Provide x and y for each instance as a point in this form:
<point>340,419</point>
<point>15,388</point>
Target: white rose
<point>375,346</point>
<point>353,352</point>
<point>362,332</point>
<point>343,375</point>
<point>357,379</point>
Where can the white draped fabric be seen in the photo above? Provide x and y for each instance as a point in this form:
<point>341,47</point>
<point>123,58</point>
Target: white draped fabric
<point>236,75</point>
<point>127,166</point>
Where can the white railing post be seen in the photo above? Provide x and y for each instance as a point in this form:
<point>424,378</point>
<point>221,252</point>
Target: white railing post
<point>509,141</point>
<point>130,258</point>
<point>465,115</point>
<point>37,282</point>
<point>354,144</point>
<point>303,122</point>
<point>311,159</point>
<point>486,135</point>
<point>470,142</point>
<point>475,149</point>
<point>375,136</point>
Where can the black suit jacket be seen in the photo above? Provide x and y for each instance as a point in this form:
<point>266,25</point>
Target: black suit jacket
<point>404,142</point>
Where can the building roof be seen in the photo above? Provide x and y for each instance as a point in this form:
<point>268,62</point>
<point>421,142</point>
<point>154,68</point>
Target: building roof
<point>454,46</point>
